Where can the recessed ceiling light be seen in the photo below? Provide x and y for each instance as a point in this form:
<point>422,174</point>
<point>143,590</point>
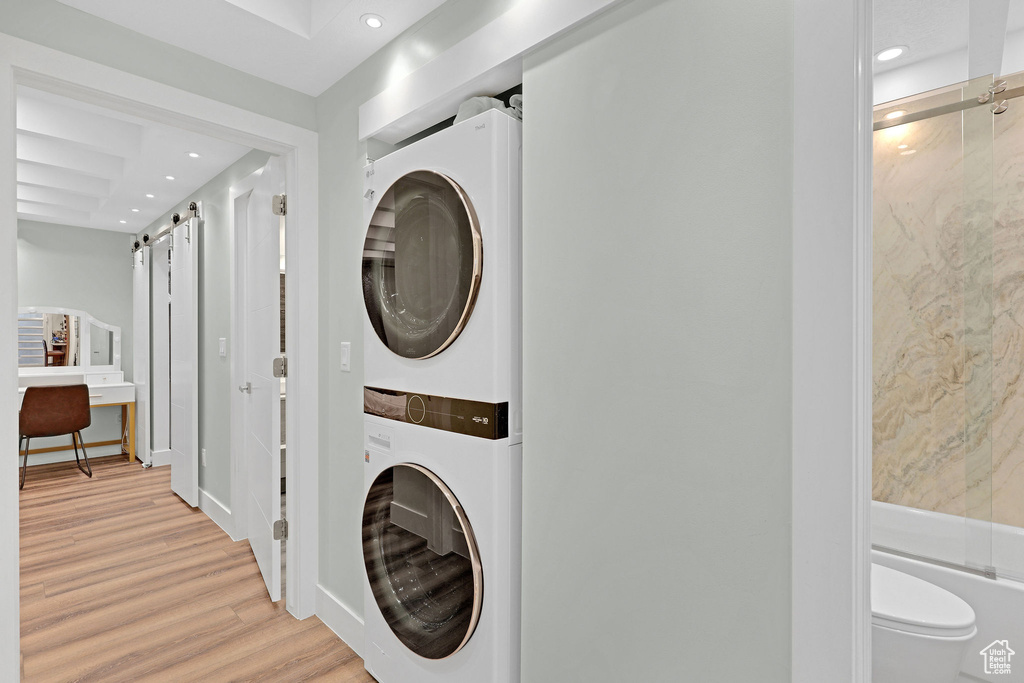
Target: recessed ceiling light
<point>891,53</point>
<point>372,20</point>
<point>169,177</point>
<point>135,210</point>
<point>194,155</point>
<point>149,196</point>
<point>123,222</point>
<point>891,115</point>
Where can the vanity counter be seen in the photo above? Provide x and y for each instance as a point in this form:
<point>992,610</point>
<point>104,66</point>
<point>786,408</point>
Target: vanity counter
<point>106,389</point>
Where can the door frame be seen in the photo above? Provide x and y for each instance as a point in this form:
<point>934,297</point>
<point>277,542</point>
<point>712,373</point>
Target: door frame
<point>832,280</point>
<point>30,64</point>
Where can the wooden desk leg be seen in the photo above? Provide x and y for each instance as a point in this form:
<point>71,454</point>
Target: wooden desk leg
<point>131,432</point>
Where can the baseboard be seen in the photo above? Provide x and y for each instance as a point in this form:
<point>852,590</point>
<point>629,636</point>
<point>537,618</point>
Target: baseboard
<point>161,458</point>
<point>340,619</point>
<point>67,456</point>
<point>216,511</point>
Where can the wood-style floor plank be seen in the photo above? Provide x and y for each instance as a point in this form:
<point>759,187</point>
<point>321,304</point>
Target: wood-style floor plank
<point>121,581</point>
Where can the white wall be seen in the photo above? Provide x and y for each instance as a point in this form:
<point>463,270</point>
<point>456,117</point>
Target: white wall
<point>87,270</point>
<point>70,267</point>
<point>215,256</point>
<point>657,258</point>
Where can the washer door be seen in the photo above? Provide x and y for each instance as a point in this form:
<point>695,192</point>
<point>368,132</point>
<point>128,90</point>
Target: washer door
<point>422,262</point>
<point>422,561</point>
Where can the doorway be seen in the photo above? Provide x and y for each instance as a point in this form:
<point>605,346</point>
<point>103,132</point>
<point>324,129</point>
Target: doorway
<point>41,68</point>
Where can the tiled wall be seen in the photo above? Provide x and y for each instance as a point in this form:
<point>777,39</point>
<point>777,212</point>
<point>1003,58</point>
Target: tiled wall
<point>949,315</point>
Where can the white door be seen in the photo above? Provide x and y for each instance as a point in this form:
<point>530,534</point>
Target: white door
<point>160,361</point>
<point>262,393</point>
<point>141,303</point>
<point>184,325</point>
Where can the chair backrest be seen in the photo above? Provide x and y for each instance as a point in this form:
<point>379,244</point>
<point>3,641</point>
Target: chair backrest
<point>54,410</point>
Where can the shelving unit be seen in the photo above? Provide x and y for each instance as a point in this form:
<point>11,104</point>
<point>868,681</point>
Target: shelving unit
<point>30,338</point>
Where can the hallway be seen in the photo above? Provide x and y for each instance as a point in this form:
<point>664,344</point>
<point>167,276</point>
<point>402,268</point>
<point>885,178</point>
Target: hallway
<point>120,580</point>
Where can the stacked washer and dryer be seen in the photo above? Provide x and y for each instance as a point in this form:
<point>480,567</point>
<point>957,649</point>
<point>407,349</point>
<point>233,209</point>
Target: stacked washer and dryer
<point>443,407</point>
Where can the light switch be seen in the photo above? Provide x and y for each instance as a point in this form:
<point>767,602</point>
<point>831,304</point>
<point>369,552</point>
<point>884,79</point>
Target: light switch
<point>346,356</point>
<point>222,346</point>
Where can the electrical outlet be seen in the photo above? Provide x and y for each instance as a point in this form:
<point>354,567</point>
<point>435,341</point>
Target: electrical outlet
<point>202,454</point>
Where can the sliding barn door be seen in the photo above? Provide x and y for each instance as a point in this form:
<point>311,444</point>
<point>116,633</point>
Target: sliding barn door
<point>159,318</point>
<point>141,303</point>
<point>184,327</point>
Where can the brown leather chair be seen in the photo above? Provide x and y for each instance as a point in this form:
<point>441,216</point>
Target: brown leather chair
<point>53,411</point>
<point>55,357</point>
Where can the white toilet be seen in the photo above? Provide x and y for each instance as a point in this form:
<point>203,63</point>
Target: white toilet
<point>919,632</point>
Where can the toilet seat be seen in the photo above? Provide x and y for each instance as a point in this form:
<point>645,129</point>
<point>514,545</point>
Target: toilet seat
<point>906,603</point>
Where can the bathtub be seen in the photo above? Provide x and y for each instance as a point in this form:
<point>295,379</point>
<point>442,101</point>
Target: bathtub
<point>998,603</point>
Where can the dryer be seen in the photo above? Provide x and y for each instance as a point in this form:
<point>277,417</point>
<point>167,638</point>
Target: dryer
<point>442,265</point>
<point>441,547</point>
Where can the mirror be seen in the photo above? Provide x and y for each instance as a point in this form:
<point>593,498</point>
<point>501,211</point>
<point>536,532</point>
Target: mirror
<point>48,340</point>
<point>102,346</point>
<point>51,340</point>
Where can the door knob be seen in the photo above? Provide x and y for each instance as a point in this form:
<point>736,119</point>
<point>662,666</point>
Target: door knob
<point>246,388</point>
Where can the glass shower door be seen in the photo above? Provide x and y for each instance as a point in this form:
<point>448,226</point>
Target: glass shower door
<point>932,355</point>
<point>978,228</point>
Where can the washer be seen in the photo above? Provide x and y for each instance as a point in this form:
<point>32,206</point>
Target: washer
<point>441,546</point>
<point>442,266</point>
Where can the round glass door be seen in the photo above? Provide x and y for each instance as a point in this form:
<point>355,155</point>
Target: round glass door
<point>422,261</point>
<point>422,561</point>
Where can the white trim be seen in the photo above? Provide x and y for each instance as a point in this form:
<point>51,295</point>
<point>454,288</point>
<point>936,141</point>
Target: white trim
<point>161,458</point>
<point>302,344</point>
<point>218,512</point>
<point>487,62</point>
<point>26,63</point>
<point>10,626</point>
<point>68,456</point>
<point>345,623</point>
<point>831,615</point>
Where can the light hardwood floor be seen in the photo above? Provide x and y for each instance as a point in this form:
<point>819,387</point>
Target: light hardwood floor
<point>121,581</point>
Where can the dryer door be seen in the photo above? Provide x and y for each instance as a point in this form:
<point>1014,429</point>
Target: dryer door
<point>422,262</point>
<point>422,561</point>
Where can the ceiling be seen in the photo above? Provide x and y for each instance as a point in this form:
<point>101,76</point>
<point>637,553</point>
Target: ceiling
<point>305,45</point>
<point>86,166</point>
<point>933,28</point>
<point>928,27</point>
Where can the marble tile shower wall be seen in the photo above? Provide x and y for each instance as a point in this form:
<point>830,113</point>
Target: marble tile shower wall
<point>948,319</point>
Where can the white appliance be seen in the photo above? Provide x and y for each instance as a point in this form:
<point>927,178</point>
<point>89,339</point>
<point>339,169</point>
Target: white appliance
<point>442,400</point>
<point>441,545</point>
<point>442,266</point>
